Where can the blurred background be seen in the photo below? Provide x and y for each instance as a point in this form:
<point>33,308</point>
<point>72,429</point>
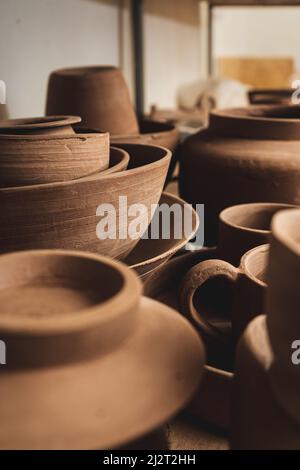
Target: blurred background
<point>186,46</point>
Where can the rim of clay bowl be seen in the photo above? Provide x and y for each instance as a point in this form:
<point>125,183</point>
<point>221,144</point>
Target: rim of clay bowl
<point>286,228</point>
<point>97,314</point>
<point>178,244</point>
<point>248,257</point>
<point>82,71</point>
<point>260,206</point>
<point>40,122</point>
<point>270,113</point>
<point>165,157</point>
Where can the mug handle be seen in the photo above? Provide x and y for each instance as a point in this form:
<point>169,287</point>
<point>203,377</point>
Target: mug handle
<point>197,277</point>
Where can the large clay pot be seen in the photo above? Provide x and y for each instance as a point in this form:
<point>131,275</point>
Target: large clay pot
<point>90,364</point>
<point>258,420</point>
<point>245,155</point>
<point>47,150</point>
<point>270,96</point>
<point>99,95</point>
<point>64,215</point>
<point>283,308</point>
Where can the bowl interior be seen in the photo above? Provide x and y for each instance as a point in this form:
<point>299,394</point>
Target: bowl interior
<point>41,284</point>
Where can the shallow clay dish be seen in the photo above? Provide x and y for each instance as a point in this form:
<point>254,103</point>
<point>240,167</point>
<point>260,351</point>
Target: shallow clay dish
<point>212,400</point>
<point>259,422</point>
<point>48,149</point>
<point>77,332</point>
<point>98,94</point>
<point>150,253</point>
<point>63,215</point>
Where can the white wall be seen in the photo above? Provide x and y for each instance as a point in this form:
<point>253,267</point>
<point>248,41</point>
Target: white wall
<point>257,31</point>
<point>171,49</point>
<point>38,36</point>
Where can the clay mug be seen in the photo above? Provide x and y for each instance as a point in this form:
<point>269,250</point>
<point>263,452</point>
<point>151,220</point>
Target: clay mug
<point>98,94</point>
<point>243,227</point>
<point>227,297</point>
<point>283,308</point>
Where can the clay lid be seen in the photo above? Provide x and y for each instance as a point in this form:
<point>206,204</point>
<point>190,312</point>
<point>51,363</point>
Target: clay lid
<point>89,365</point>
<point>258,122</point>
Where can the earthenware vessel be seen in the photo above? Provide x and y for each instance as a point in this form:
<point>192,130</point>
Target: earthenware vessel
<point>90,213</point>
<point>155,248</point>
<point>98,94</point>
<point>155,133</point>
<point>46,150</point>
<point>245,155</point>
<point>258,420</point>
<point>77,332</point>
<point>211,403</point>
<point>244,227</point>
<point>218,297</point>
<point>271,96</point>
<point>283,304</point>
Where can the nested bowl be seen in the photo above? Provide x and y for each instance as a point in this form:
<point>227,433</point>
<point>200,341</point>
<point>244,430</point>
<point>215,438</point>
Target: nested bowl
<point>47,150</point>
<point>90,213</point>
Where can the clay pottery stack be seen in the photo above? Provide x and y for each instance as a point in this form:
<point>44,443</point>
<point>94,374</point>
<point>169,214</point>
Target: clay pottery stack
<point>212,400</point>
<point>100,96</point>
<point>155,249</point>
<point>71,214</point>
<point>245,155</point>
<point>77,331</point>
<point>271,96</point>
<point>47,150</point>
<point>266,387</point>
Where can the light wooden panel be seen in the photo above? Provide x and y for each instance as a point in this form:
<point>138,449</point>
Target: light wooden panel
<point>260,72</point>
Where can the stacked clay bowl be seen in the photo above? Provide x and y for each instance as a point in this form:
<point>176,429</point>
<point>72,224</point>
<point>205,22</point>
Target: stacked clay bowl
<point>48,150</point>
<point>66,214</point>
<point>245,155</point>
<point>100,96</point>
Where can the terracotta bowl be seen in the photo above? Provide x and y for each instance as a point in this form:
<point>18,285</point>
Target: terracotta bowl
<point>155,133</point>
<point>151,253</point>
<point>64,215</point>
<point>47,150</point>
<point>98,94</point>
<point>77,331</point>
<point>211,403</point>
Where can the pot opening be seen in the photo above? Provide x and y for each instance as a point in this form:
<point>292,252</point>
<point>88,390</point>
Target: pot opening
<point>42,286</point>
<point>256,262</point>
<point>82,71</point>
<point>277,112</point>
<point>252,216</point>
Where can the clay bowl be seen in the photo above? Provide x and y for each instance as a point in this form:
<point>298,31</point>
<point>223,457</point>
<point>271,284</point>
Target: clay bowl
<point>271,96</point>
<point>98,94</point>
<point>155,133</point>
<point>151,253</point>
<point>77,331</point>
<point>68,215</point>
<point>47,150</point>
<point>211,403</point>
